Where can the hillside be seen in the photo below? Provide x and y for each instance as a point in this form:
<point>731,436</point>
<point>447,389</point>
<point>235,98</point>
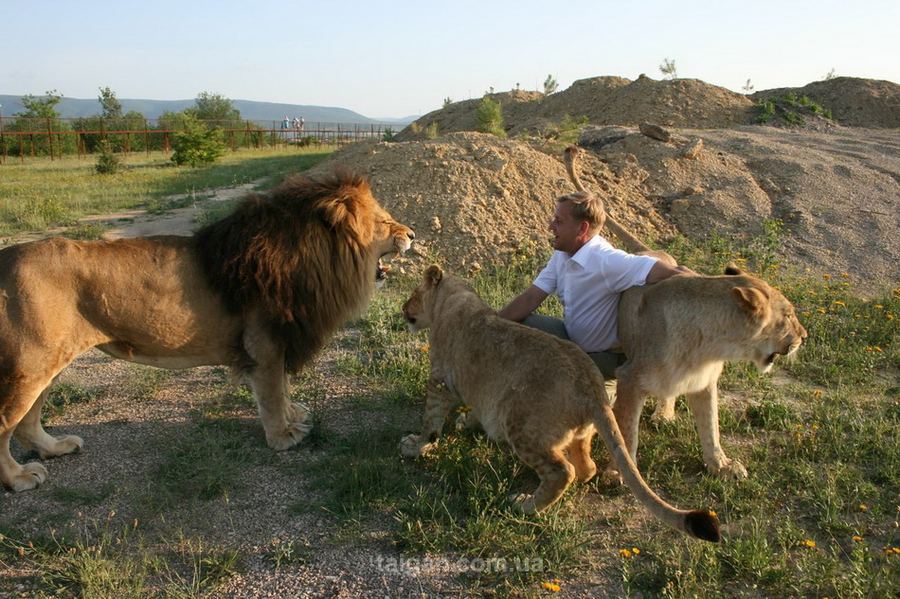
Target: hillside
<point>251,110</point>
<point>677,103</point>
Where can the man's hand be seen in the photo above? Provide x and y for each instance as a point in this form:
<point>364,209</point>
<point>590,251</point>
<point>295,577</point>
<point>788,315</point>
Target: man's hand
<point>523,304</point>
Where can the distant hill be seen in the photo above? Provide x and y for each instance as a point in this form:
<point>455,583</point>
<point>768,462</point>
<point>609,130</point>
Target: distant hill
<point>255,111</point>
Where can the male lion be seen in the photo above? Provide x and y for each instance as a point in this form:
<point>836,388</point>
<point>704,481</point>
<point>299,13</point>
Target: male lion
<point>542,395</point>
<point>260,291</point>
<point>679,333</point>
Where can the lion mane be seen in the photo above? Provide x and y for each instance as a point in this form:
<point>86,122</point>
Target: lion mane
<point>299,254</point>
<point>260,291</point>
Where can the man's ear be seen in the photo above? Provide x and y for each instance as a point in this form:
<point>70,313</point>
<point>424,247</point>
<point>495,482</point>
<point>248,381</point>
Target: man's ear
<point>584,229</point>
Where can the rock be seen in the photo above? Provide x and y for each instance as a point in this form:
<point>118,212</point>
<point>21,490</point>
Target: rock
<point>436,224</point>
<point>655,131</point>
<point>597,137</point>
<point>692,149</point>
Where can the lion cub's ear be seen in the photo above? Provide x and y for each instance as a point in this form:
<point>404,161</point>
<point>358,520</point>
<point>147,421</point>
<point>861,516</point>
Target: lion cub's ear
<point>751,300</point>
<point>433,275</point>
<point>732,269</point>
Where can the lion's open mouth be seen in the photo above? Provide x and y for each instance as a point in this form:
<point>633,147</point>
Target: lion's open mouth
<point>381,271</point>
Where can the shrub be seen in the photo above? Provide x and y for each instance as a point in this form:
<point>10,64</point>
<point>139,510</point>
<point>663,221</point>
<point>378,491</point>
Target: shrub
<point>431,131</point>
<point>388,134</point>
<point>197,145</point>
<point>490,117</point>
<point>107,162</point>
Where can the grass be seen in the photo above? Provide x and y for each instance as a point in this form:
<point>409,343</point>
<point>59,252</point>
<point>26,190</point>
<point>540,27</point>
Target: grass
<point>789,108</point>
<point>816,517</point>
<point>44,193</point>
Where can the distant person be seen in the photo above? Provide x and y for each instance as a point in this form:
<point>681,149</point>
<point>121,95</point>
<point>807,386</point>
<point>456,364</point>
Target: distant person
<point>302,122</point>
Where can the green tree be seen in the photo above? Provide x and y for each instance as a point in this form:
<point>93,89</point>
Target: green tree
<point>668,69</point>
<point>41,107</point>
<point>111,106</point>
<point>490,117</point>
<point>550,85</point>
<point>197,144</point>
<point>214,107</point>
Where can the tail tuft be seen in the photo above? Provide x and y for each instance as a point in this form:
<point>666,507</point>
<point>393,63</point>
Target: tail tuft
<point>703,525</point>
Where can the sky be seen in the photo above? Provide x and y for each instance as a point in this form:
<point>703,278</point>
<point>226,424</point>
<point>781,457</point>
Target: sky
<point>402,58</point>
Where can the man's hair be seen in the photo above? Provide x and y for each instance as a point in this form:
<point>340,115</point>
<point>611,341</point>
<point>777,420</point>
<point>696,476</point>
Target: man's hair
<point>587,207</point>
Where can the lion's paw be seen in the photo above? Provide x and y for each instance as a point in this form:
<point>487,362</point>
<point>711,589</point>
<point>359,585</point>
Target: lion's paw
<point>523,503</point>
<point>31,476</point>
<point>729,469</point>
<point>611,477</point>
<point>296,413</point>
<point>414,446</point>
<point>62,446</point>
<point>293,434</point>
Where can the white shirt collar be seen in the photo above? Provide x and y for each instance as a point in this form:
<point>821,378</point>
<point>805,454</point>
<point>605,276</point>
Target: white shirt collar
<point>581,256</point>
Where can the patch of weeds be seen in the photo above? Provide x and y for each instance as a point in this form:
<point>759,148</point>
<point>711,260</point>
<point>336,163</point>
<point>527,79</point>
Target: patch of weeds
<point>788,108</point>
<point>82,496</point>
<point>205,462</point>
<point>361,474</point>
<point>63,395</point>
<point>769,414</point>
<point>101,564</point>
<point>86,231</point>
<point>288,553</point>
<point>214,211</point>
<point>203,567</point>
<point>145,381</point>
<point>463,506</point>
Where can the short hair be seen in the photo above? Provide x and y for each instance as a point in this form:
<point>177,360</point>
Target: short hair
<point>587,207</point>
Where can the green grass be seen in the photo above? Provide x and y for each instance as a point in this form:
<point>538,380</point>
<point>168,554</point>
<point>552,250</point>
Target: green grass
<point>44,193</point>
<point>816,517</point>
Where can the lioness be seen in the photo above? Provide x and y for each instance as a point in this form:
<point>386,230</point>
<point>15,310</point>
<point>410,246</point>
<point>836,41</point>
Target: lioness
<point>541,394</point>
<point>260,291</point>
<point>679,333</point>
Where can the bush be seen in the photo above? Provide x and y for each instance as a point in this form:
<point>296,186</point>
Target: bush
<point>388,134</point>
<point>490,117</point>
<point>107,162</point>
<point>197,145</point>
<point>431,131</point>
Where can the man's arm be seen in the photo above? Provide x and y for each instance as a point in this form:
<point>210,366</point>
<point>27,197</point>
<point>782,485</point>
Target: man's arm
<point>661,271</point>
<point>523,304</point>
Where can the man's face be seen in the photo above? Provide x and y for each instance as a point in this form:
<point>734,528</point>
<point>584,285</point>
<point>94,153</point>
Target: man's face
<point>566,229</point>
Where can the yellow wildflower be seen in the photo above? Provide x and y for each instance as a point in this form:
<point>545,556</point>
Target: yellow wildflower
<point>826,276</point>
<point>809,543</point>
<point>846,275</point>
<point>839,303</point>
<point>878,349</point>
<point>892,550</point>
<point>713,513</point>
<point>863,507</point>
<point>551,586</point>
<point>424,349</point>
<point>889,316</point>
<point>821,310</point>
<point>856,538</point>
<point>626,553</point>
<point>878,306</point>
<point>817,393</point>
<point>635,550</point>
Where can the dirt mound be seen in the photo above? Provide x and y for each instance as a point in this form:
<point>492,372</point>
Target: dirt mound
<point>605,101</point>
<point>852,101</point>
<point>474,199</point>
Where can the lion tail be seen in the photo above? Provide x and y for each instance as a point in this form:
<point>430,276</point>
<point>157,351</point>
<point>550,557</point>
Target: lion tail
<point>702,524</point>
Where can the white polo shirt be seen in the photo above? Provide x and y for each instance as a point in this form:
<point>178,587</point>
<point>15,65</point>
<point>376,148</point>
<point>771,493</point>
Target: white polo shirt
<point>588,285</point>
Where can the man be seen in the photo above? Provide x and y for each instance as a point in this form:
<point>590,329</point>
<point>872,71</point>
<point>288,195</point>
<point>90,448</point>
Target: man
<point>588,274</point>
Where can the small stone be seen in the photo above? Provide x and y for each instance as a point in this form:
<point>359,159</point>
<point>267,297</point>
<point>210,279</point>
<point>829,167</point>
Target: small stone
<point>654,131</point>
<point>692,149</point>
<point>436,224</point>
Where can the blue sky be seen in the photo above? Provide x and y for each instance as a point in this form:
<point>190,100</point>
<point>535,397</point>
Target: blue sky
<point>401,58</point>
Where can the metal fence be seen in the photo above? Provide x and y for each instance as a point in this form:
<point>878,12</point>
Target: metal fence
<point>22,137</point>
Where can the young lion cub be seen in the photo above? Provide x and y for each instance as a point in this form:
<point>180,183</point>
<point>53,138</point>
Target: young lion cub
<point>540,394</point>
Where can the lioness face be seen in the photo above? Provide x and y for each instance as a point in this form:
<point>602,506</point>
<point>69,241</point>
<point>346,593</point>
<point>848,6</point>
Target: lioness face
<point>390,239</point>
<point>417,309</point>
<point>782,335</point>
<point>414,310</point>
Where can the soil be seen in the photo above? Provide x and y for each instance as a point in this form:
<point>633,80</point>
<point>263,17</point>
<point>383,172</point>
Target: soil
<point>474,200</point>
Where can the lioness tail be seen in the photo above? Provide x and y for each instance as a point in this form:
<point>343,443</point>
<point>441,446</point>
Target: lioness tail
<point>701,524</point>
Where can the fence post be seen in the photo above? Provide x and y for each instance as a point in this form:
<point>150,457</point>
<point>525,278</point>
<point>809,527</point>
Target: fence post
<point>147,137</point>
<point>50,138</point>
